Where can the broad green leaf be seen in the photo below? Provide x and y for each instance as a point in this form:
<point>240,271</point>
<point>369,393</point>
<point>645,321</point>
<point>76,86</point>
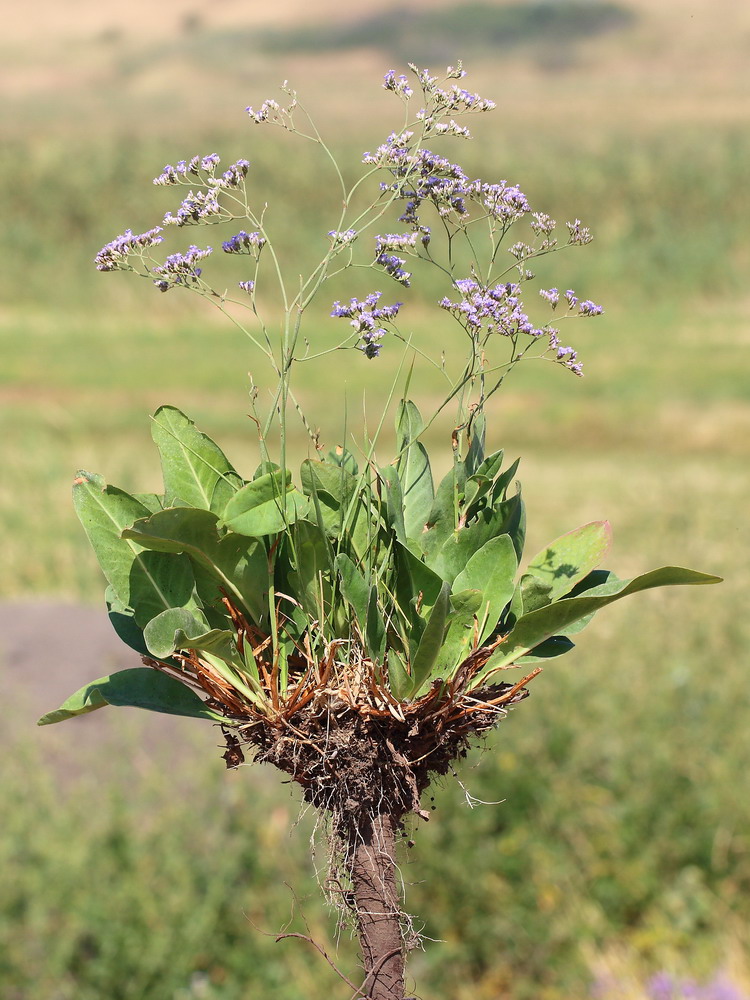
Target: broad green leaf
<point>161,632</point>
<point>394,502</point>
<point>534,628</point>
<point>431,642</point>
<point>178,630</point>
<point>569,559</point>
<point>375,630</point>
<point>354,588</point>
<point>150,500</point>
<point>507,518</point>
<point>325,477</point>
<point>413,467</point>
<point>143,581</point>
<point>237,564</point>
<point>340,456</point>
<point>492,571</point>
<point>467,606</point>
<point>477,433</point>
<point>547,650</point>
<point>195,469</point>
<point>416,583</point>
<point>139,687</point>
<point>503,481</point>
<point>443,516</point>
<point>313,569</point>
<point>535,592</point>
<point>124,623</point>
<point>265,506</point>
<point>398,677</point>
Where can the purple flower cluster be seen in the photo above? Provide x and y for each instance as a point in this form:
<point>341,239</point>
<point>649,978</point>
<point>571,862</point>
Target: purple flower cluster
<point>663,986</point>
<point>579,235</point>
<point>247,286</point>
<point>456,99</point>
<point>367,319</point>
<point>398,84</point>
<point>267,109</point>
<point>421,175</point>
<point>188,168</point>
<point>491,310</point>
<point>232,177</point>
<point>343,238</point>
<point>393,264</point>
<point>244,243</point>
<point>180,268</point>
<point>114,255</point>
<point>197,208</point>
<point>565,356</point>
<point>585,308</point>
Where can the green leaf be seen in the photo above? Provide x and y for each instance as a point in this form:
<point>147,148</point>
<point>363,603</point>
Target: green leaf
<point>570,558</point>
<point>375,631</point>
<point>491,571</point>
<point>394,502</point>
<point>535,592</point>
<point>413,467</point>
<point>177,629</point>
<point>477,433</point>
<point>354,589</point>
<point>265,506</point>
<point>547,650</point>
<point>195,469</point>
<point>415,580</point>
<point>331,488</point>
<point>340,456</point>
<point>467,605</point>
<point>138,687</point>
<point>534,628</point>
<point>124,623</point>
<point>398,677</point>
<point>143,581</point>
<point>235,563</point>
<point>443,516</point>
<point>431,642</point>
<point>507,518</point>
<point>313,569</point>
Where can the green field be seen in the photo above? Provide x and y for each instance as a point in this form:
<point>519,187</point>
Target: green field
<point>621,845</point>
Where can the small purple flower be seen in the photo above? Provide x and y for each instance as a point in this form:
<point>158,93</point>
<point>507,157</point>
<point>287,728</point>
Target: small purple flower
<point>343,238</point>
<point>210,162</point>
<point>181,268</point>
<point>194,210</point>
<point>244,243</point>
<point>398,84</point>
<point>589,308</point>
<point>162,285</point>
<point>247,286</point>
<point>113,256</point>
<point>232,177</point>
<point>661,987</point>
<point>492,310</point>
<point>367,319</point>
<point>579,235</point>
<point>571,298</point>
<point>265,111</point>
<point>551,295</point>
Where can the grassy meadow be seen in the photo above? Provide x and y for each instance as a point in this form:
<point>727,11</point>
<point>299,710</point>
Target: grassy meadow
<point>621,846</point>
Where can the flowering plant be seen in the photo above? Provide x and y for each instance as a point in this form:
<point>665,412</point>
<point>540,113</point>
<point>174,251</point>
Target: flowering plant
<point>352,626</point>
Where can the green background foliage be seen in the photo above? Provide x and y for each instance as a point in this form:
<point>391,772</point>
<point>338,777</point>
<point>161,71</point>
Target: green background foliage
<point>623,824</point>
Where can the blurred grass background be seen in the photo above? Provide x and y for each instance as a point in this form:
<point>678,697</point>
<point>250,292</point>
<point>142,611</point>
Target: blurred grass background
<point>621,847</point>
